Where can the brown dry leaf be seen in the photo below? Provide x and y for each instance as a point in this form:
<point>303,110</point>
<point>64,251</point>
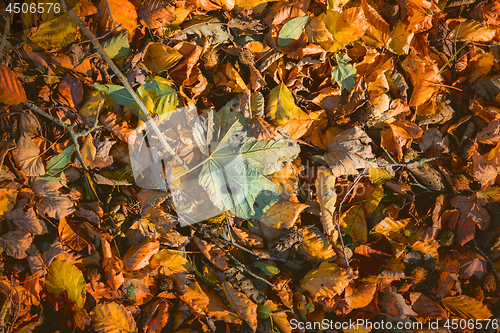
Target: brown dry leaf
<point>25,218</point>
<point>15,243</point>
<point>70,91</point>
<point>426,307</point>
<point>114,13</point>
<point>318,33</point>
<point>156,13</point>
<point>327,197</point>
<point>348,151</point>
<point>326,281</point>
<point>490,134</point>
<point>72,235</point>
<point>228,76</point>
<point>282,215</point>
<point>484,171</point>
<point>423,75</point>
<point>113,317</point>
<point>359,295</point>
<point>243,306</point>
<point>27,155</point>
<point>138,255</point>
<point>261,129</point>
<point>467,307</point>
<point>52,202</point>
<point>212,253</point>
<point>11,90</point>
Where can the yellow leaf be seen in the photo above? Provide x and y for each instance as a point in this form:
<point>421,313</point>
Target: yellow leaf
<point>353,223</point>
<point>64,276</point>
<point>467,307</point>
<point>315,245</point>
<point>114,13</point>
<point>113,318</point>
<point>345,27</point>
<point>227,76</point>
<point>249,4</point>
<point>57,32</point>
<point>327,197</point>
<point>243,306</point>
<point>280,105</point>
<point>170,262</point>
<point>138,255</point>
<point>160,57</point>
<point>358,295</point>
<point>326,281</point>
<point>282,215</point>
<point>8,196</point>
<point>401,37</point>
<point>11,90</point>
<point>378,176</point>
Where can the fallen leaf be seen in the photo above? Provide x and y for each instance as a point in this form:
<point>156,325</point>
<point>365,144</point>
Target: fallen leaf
<point>326,281</point>
<point>27,155</point>
<point>113,317</point>
<point>11,90</point>
<point>64,276</point>
<point>138,255</point>
<point>467,307</point>
<point>52,202</point>
<point>245,308</point>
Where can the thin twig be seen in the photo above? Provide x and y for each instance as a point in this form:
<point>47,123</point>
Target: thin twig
<point>150,121</point>
<point>70,128</point>
<point>4,36</point>
<point>232,241</point>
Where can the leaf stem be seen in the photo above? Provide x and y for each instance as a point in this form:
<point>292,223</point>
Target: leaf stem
<point>166,147</point>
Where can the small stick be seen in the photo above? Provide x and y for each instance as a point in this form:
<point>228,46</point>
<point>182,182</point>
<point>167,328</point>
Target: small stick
<point>70,128</point>
<point>166,147</point>
<point>4,36</point>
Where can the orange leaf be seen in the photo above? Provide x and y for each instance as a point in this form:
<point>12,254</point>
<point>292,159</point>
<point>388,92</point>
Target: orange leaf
<point>138,255</point>
<point>11,90</point>
<point>467,307</point>
<point>114,13</point>
<point>243,306</point>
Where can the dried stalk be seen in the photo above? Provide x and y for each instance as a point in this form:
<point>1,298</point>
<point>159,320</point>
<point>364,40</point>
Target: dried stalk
<point>166,147</point>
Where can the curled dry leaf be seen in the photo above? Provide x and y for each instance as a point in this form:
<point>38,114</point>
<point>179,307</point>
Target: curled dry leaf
<point>15,243</point>
<point>11,90</point>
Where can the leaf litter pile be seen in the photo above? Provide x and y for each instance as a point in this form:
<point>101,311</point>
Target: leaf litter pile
<point>349,151</point>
